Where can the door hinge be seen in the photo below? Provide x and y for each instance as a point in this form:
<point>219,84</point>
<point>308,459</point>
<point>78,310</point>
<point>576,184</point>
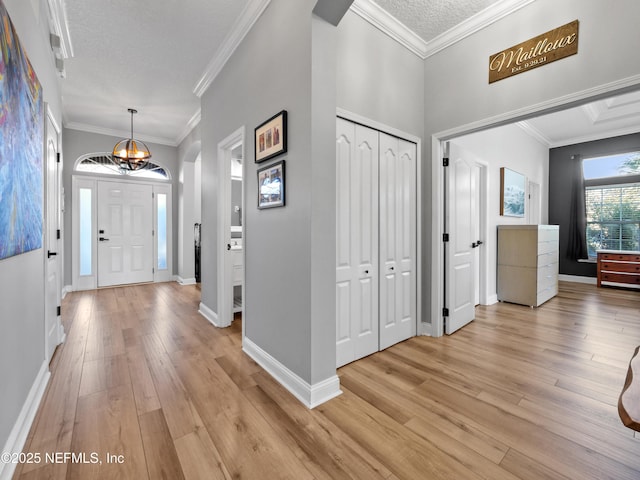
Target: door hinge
<point>57,157</point>
<point>58,311</point>
<point>445,237</point>
<point>153,269</point>
<point>153,233</point>
<point>445,312</point>
<point>58,234</point>
<point>445,161</point>
<point>153,195</point>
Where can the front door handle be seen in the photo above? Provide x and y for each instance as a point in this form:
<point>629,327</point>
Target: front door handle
<point>228,246</point>
<point>102,239</point>
<point>51,254</point>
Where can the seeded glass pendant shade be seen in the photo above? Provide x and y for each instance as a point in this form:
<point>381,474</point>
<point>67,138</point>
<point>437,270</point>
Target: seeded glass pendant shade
<point>131,154</point>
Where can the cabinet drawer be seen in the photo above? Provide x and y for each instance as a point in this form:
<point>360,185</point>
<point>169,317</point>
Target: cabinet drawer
<point>547,258</point>
<point>547,276</point>
<point>620,267</point>
<point>546,294</point>
<point>547,247</point>
<point>548,235</point>
<point>620,278</point>
<point>622,257</point>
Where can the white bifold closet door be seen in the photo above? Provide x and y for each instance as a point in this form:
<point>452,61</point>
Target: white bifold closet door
<point>375,241</point>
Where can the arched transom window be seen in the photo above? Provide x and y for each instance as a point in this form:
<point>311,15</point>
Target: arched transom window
<point>103,163</point>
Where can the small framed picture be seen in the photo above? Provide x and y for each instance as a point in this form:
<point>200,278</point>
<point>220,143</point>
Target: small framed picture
<point>512,190</point>
<point>271,185</point>
<point>271,137</point>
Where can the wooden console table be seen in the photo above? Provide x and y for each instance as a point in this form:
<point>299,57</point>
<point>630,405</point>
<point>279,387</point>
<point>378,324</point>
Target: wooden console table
<point>629,401</point>
<point>618,266</point>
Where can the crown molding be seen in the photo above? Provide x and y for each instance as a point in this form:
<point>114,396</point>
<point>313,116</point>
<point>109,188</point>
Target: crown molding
<point>239,30</point>
<point>382,20</point>
<point>596,136</point>
<point>534,133</point>
<point>191,124</point>
<point>84,127</point>
<point>59,25</point>
<point>471,25</point>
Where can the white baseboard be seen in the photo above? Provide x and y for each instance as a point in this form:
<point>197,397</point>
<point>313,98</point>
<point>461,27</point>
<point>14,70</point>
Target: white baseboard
<point>185,281</point>
<point>310,395</point>
<point>578,279</point>
<point>492,299</point>
<point>20,430</point>
<point>66,289</point>
<point>210,315</point>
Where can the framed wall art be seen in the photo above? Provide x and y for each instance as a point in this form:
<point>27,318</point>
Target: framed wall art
<point>21,146</point>
<point>271,185</point>
<point>271,137</point>
<point>512,189</point>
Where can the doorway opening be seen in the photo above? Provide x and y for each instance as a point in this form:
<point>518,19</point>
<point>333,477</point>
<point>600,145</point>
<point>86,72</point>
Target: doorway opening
<point>510,119</point>
<point>231,241</point>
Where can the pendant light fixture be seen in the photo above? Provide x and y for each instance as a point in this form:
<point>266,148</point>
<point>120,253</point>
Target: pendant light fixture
<point>131,154</point>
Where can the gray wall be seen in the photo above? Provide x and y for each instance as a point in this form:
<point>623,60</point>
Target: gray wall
<point>76,143</point>
<point>286,62</point>
<point>378,78</point>
<point>189,202</point>
<point>560,195</point>
<point>381,80</point>
<point>457,92</point>
<point>22,276</point>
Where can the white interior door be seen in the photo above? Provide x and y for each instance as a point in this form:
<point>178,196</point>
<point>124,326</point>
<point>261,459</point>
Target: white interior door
<point>125,233</point>
<point>460,218</point>
<point>356,242</point>
<point>397,240</point>
<point>53,260</point>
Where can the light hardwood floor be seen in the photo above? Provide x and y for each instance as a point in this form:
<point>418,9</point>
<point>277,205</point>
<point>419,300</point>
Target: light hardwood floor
<point>519,393</point>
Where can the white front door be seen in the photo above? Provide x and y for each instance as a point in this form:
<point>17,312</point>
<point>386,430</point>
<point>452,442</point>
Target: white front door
<point>125,233</point>
<point>461,217</point>
<point>397,240</point>
<point>357,330</point>
<point>53,260</point>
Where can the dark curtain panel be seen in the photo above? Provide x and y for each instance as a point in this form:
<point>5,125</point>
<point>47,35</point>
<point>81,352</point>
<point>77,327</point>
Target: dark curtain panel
<point>577,248</point>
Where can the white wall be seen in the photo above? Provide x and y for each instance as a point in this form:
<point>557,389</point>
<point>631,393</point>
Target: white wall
<point>22,276</point>
<point>509,147</point>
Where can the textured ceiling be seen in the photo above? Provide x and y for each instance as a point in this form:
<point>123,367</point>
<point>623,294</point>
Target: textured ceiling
<point>430,18</point>
<point>143,54</point>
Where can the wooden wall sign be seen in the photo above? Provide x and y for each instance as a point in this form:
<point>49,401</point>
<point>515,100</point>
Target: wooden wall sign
<point>558,43</point>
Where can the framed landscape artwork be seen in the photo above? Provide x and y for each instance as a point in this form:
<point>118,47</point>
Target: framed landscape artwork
<point>271,137</point>
<point>512,189</point>
<point>21,146</point>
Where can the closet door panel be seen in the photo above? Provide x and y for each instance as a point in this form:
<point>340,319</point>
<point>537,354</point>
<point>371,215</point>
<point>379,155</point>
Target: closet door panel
<point>357,245</point>
<point>397,239</point>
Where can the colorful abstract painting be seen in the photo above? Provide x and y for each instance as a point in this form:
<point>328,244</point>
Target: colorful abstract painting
<point>21,146</point>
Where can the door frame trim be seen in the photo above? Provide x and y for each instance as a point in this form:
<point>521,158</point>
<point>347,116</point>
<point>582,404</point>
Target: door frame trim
<point>81,180</point>
<point>421,327</point>
<point>224,270</point>
<point>60,245</point>
<point>435,328</point>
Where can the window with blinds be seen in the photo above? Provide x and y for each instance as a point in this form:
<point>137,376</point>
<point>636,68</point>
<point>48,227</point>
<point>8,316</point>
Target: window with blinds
<point>613,217</point>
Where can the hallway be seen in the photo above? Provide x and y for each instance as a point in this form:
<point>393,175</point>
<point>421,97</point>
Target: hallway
<point>519,393</point>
